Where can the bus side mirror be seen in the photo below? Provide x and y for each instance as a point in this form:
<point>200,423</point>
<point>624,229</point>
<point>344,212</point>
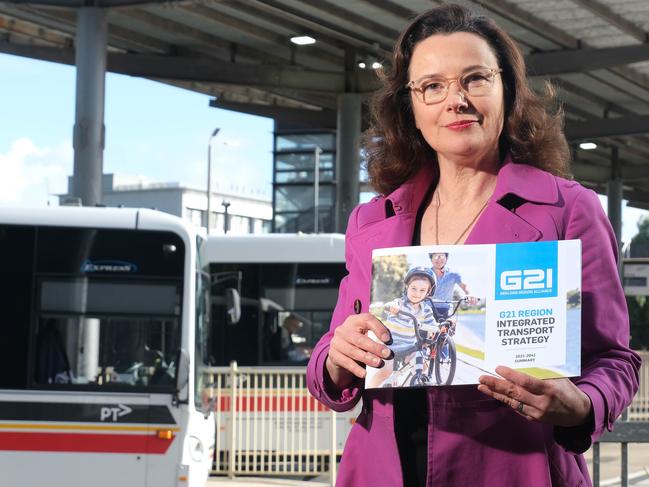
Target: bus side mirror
<point>232,306</point>
<point>183,376</point>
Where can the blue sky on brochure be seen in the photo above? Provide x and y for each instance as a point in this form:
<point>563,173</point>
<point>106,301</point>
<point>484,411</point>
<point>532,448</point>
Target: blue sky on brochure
<point>154,132</point>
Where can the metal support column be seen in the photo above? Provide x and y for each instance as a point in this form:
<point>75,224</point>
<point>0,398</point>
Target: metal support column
<point>88,138</point>
<point>614,193</point>
<point>347,156</point>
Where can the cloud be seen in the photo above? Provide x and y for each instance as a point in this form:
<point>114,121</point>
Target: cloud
<point>30,175</point>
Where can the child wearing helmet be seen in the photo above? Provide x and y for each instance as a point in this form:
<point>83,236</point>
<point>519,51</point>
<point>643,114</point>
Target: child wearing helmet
<point>419,283</point>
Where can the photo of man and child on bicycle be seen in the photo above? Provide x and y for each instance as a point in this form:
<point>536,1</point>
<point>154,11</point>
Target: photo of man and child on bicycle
<point>434,303</point>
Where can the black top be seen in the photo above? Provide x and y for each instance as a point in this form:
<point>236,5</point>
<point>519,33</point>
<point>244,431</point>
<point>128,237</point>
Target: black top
<point>411,431</point>
<point>411,411</point>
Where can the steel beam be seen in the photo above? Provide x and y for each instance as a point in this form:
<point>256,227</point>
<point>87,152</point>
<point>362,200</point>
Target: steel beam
<point>83,3</point>
<point>208,71</point>
<point>393,8</point>
<point>311,22</point>
<point>607,14</point>
<point>350,16</point>
<point>268,37</point>
<point>579,60</point>
<point>514,13</point>
<point>601,174</point>
<point>307,118</point>
<point>196,36</point>
<point>267,76</point>
<point>590,172</point>
<point>607,127</point>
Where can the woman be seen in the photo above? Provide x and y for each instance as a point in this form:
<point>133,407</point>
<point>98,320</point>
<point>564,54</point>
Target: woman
<point>462,151</point>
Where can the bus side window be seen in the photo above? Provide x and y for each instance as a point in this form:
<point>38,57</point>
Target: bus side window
<point>272,338</point>
<point>52,363</point>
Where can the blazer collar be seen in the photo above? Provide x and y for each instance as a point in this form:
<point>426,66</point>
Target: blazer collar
<point>526,182</point>
<point>409,196</point>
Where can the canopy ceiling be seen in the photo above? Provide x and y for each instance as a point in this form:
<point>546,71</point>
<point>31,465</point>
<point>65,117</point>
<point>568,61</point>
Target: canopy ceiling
<point>238,51</point>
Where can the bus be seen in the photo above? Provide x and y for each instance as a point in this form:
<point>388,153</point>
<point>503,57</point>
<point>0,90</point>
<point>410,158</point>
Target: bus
<point>103,323</point>
<point>288,286</point>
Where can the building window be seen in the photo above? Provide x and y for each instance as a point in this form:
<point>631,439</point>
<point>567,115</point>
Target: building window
<point>294,180</point>
<point>196,216</point>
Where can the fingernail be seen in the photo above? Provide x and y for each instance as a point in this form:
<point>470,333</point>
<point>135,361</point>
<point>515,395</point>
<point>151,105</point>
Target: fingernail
<point>375,360</point>
<point>385,337</point>
<point>385,352</point>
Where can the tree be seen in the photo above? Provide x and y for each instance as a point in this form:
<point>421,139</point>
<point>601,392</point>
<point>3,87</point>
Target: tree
<point>639,318</point>
<point>640,242</point>
<point>639,305</point>
<point>388,273</point>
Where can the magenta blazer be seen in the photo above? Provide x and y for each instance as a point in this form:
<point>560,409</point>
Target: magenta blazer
<point>474,440</point>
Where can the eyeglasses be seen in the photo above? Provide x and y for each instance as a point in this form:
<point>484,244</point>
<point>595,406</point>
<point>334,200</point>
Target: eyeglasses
<point>434,89</point>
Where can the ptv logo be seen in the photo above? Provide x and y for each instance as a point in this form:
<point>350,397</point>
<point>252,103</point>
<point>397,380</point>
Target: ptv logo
<point>108,413</point>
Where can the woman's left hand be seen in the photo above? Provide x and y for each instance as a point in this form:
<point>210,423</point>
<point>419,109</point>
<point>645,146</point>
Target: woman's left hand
<point>555,401</point>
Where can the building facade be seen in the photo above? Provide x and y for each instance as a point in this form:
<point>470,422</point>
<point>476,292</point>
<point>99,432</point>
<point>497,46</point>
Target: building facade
<point>245,213</point>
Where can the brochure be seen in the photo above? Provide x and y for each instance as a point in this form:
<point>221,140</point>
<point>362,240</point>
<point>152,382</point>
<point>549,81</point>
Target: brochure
<point>456,312</point>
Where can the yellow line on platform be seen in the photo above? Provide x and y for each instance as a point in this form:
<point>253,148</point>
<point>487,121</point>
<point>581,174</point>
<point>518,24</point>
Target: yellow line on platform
<point>85,427</point>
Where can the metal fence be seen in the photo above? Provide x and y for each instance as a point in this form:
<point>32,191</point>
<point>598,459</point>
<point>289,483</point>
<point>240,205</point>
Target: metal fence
<point>267,424</point>
<point>632,428</point>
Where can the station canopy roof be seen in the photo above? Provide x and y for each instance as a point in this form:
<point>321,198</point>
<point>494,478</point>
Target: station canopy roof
<point>239,51</point>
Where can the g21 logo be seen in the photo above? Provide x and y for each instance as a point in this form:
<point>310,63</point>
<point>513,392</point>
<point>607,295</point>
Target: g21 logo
<point>526,279</point>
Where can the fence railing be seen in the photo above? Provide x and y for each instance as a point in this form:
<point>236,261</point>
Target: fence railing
<point>632,428</point>
<point>268,424</point>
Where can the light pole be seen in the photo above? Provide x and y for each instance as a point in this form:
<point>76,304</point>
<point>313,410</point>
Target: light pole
<point>226,217</point>
<point>209,178</point>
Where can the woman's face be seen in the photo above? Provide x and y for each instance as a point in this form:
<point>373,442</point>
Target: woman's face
<point>461,128</point>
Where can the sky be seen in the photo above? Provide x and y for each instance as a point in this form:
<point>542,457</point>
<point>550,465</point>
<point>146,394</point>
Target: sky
<point>154,132</point>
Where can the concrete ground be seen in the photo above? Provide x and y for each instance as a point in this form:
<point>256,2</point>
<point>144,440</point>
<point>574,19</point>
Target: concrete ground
<point>610,466</point>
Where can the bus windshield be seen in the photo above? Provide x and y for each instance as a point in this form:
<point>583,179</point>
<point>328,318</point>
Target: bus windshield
<point>285,309</point>
<point>98,309</point>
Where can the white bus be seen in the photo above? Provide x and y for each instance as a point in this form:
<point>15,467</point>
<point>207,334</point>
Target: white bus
<point>278,275</point>
<point>102,322</point>
<point>288,285</point>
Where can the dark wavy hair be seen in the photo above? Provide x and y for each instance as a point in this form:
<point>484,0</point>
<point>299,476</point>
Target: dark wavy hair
<point>533,128</point>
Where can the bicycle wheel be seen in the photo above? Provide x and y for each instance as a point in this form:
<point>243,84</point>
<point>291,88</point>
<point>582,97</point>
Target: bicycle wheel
<point>445,361</point>
<point>419,380</point>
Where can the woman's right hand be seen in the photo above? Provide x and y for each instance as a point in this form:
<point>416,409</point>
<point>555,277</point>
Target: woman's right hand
<point>351,349</point>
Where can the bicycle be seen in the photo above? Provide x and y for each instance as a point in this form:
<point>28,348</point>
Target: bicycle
<point>434,346</point>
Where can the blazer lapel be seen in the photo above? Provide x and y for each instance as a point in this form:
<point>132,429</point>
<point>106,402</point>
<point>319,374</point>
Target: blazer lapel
<point>395,230</point>
<point>497,224</point>
<point>500,225</point>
